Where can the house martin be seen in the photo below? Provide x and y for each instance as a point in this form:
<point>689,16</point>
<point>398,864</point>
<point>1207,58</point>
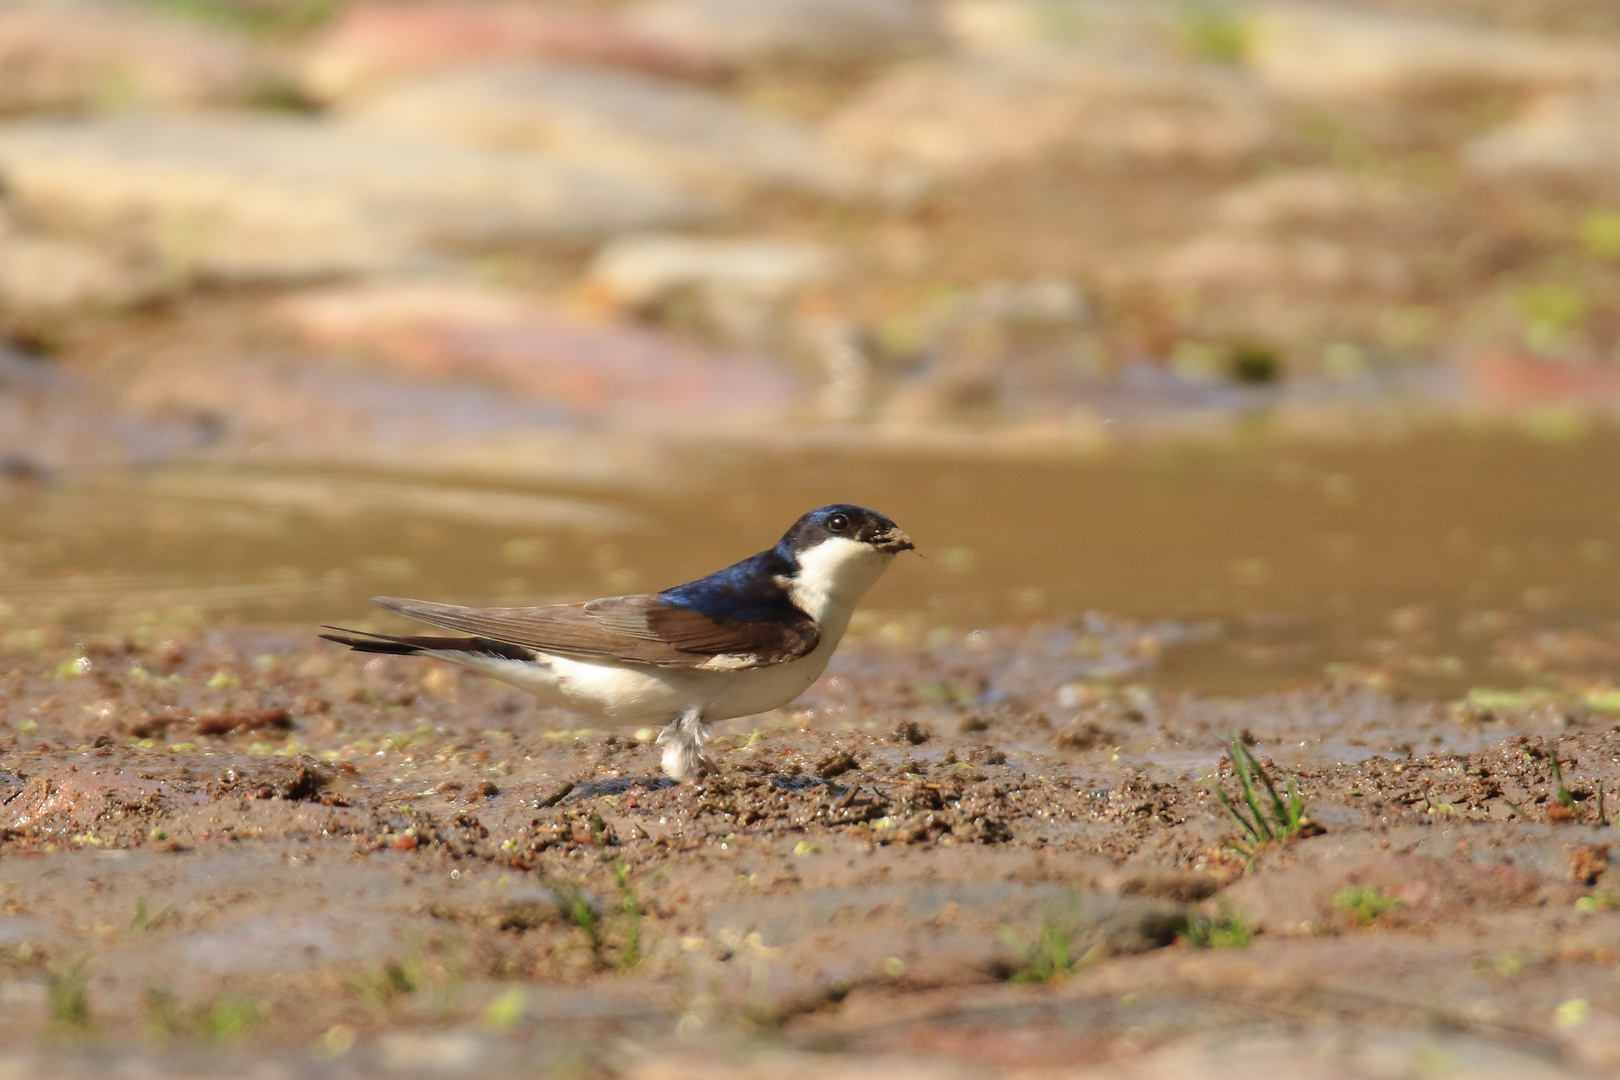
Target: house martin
<point>743,640</point>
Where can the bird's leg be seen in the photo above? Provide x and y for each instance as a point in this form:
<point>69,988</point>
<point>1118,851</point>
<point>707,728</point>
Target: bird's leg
<point>683,741</point>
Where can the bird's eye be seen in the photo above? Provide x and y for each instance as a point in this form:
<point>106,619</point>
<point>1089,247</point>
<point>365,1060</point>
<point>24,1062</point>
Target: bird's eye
<point>838,522</point>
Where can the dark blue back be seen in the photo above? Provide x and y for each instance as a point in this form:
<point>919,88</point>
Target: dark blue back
<point>746,591</point>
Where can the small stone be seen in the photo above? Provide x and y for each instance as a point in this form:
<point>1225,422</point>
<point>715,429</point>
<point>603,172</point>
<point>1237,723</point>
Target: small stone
<point>306,781</point>
<point>836,764</point>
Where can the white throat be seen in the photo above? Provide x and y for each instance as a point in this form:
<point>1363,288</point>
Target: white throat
<point>832,578</point>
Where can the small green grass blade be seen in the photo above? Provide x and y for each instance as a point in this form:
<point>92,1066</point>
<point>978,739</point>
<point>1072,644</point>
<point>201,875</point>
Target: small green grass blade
<point>1296,807</point>
<point>1277,807</point>
<point>1226,804</point>
<point>1241,762</point>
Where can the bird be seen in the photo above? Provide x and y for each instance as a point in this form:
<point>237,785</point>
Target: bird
<point>743,640</point>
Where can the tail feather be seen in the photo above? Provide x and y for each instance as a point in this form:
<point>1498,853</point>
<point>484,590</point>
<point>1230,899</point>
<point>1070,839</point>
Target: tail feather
<point>390,645</point>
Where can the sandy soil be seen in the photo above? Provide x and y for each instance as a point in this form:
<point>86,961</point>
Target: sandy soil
<point>249,844</point>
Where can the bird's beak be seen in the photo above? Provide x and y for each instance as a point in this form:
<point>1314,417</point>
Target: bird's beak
<point>893,541</point>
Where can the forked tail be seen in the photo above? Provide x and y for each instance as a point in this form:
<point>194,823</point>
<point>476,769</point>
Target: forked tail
<point>390,645</point>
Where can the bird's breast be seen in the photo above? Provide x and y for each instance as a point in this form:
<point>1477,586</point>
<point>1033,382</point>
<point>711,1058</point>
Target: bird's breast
<point>761,689</point>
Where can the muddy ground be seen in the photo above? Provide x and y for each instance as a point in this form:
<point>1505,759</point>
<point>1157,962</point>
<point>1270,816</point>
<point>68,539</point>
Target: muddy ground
<point>248,847</point>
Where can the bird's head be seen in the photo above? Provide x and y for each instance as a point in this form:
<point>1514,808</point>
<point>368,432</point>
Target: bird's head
<point>839,552</point>
<point>846,524</point>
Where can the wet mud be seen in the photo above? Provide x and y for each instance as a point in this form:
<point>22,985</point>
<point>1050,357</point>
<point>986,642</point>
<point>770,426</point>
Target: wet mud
<point>971,856</point>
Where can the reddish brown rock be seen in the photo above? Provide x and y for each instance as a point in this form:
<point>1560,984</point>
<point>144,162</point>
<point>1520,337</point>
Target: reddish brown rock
<point>1506,380</point>
<point>377,41</point>
<point>592,369</point>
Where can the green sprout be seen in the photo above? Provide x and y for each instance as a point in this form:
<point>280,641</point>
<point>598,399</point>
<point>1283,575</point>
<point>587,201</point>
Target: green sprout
<point>1550,313</point>
<point>1600,233</point>
<point>145,919</point>
<point>1048,958</point>
<point>1363,903</point>
<point>230,1019</point>
<point>1261,822</point>
<point>1563,795</point>
<point>575,906</point>
<point>631,911</point>
<point>67,993</point>
<point>1226,930</point>
<point>1216,32</point>
<point>163,1019</point>
<point>506,1010</point>
<point>386,983</point>
<point>225,1021</point>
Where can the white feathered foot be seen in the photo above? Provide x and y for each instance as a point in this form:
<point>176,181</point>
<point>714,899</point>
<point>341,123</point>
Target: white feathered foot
<point>683,741</point>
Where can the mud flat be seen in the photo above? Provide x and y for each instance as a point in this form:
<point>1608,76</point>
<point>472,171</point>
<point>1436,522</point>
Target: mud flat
<point>245,844</point>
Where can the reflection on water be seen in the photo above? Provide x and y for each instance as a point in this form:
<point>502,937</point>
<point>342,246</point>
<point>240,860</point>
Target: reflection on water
<point>1416,554</point>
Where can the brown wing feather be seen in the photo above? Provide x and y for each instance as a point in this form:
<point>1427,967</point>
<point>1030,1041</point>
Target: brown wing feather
<point>637,629</point>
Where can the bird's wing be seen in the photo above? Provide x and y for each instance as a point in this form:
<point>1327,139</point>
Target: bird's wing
<point>634,629</point>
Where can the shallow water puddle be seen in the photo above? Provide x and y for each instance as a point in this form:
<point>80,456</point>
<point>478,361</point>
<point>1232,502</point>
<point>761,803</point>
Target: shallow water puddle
<point>1437,562</point>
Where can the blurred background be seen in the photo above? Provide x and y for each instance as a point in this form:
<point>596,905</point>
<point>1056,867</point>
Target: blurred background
<point>1296,325</point>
